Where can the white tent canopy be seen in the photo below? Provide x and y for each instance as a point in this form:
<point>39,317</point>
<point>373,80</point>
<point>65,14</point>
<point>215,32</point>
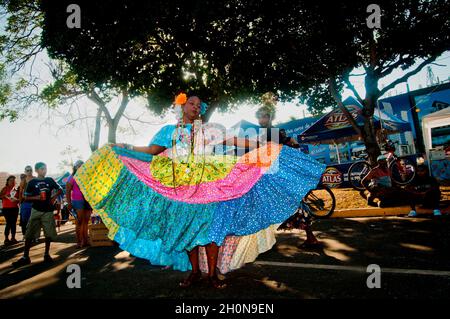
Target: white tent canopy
<point>430,121</point>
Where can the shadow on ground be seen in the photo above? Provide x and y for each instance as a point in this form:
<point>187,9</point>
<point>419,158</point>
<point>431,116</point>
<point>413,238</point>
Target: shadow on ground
<point>108,272</point>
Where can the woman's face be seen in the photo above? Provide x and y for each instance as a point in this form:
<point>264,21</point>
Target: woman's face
<point>192,108</point>
<point>11,182</point>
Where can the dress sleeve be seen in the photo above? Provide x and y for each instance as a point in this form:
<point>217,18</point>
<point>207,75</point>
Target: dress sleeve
<point>163,137</point>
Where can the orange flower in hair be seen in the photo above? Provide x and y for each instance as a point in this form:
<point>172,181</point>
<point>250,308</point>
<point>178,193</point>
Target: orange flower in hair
<point>181,99</point>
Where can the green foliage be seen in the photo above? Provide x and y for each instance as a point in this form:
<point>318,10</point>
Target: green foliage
<point>230,51</point>
<point>227,51</point>
<point>5,95</point>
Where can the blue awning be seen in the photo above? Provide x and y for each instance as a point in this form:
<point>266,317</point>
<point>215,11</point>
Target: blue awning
<point>335,128</point>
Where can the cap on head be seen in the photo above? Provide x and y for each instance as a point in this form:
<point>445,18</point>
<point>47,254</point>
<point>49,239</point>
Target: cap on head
<point>39,165</point>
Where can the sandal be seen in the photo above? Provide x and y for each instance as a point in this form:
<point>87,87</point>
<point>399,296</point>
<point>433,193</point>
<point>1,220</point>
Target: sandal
<point>193,278</point>
<point>216,283</point>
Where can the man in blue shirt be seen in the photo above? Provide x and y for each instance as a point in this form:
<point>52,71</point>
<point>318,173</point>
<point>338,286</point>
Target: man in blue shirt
<point>39,193</point>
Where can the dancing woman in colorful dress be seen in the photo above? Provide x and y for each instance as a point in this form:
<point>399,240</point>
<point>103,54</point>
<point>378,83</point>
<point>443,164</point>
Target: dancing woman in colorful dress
<point>175,201</point>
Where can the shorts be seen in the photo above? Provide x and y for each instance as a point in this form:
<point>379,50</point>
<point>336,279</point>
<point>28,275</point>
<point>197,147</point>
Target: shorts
<point>40,220</point>
<point>81,204</point>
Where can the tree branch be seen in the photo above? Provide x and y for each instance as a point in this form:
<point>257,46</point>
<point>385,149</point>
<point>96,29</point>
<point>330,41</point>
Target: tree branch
<point>352,88</point>
<point>139,121</point>
<point>338,99</point>
<point>93,96</point>
<point>74,121</point>
<point>405,77</point>
<point>123,105</point>
<point>391,67</point>
<point>24,58</point>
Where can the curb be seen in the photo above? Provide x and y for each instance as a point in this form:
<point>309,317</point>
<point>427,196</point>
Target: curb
<point>380,212</point>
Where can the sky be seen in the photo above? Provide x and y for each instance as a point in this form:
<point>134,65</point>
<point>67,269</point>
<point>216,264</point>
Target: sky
<point>27,140</point>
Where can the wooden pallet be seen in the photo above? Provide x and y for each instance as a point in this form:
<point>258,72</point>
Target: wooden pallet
<point>98,236</point>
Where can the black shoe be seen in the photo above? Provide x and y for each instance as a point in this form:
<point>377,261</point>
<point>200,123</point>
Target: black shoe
<point>21,262</point>
<point>216,283</point>
<point>193,278</point>
<point>48,259</point>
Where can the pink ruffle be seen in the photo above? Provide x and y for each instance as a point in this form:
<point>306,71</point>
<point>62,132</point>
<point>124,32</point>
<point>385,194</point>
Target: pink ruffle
<point>239,181</point>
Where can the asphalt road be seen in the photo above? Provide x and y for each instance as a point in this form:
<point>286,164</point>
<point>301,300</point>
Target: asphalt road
<point>413,255</point>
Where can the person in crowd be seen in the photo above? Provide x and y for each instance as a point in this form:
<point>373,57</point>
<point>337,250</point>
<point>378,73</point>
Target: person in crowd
<point>23,178</point>
<point>76,200</point>
<point>265,116</point>
<point>424,189</point>
<point>10,202</point>
<point>38,192</point>
<point>57,207</point>
<point>379,184</point>
<point>25,206</point>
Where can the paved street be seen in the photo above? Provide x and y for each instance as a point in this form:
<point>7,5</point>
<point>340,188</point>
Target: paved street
<point>413,254</point>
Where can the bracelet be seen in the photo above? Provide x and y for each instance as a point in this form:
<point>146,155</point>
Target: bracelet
<point>128,147</point>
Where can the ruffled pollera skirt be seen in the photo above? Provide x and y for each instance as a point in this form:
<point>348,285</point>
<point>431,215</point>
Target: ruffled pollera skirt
<point>157,210</point>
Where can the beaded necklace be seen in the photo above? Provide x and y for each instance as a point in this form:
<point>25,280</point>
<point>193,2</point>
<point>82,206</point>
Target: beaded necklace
<point>188,143</point>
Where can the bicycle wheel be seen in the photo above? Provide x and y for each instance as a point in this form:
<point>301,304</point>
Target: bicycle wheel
<point>356,173</point>
<point>321,202</point>
<point>403,171</point>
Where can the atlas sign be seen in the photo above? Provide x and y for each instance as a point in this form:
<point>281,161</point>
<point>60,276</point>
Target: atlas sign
<point>337,119</point>
<point>332,177</point>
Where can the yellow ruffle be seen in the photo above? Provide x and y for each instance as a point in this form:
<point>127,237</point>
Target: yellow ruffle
<point>211,169</point>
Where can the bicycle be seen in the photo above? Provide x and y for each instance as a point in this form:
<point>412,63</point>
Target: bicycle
<point>402,169</point>
<point>318,203</point>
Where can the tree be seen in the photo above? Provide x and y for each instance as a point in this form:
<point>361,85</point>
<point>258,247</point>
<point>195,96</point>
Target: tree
<point>20,88</point>
<point>336,39</point>
<point>158,48</point>
<point>66,86</point>
<point>234,50</point>
<point>19,45</point>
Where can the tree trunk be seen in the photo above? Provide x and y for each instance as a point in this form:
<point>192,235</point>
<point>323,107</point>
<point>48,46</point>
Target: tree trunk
<point>96,138</point>
<point>112,130</point>
<point>370,140</point>
<point>370,102</point>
